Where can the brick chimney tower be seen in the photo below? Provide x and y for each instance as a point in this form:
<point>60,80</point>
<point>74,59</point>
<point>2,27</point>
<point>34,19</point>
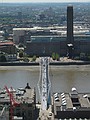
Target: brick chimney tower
<point>70,39</point>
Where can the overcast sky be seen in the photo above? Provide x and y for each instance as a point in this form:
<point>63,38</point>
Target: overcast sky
<point>8,1</point>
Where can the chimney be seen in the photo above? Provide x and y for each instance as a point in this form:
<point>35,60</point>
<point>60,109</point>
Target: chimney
<point>70,39</point>
<point>70,24</point>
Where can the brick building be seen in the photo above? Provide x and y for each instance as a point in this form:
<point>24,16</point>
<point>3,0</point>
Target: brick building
<point>45,46</point>
<point>8,47</point>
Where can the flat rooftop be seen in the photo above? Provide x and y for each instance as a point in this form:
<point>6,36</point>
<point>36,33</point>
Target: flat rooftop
<point>19,95</point>
<point>71,105</point>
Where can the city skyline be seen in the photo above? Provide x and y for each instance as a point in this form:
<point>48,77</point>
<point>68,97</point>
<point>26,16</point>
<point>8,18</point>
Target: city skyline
<point>35,1</point>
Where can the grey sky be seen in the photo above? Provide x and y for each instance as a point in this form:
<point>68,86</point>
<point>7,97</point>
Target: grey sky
<point>4,1</point>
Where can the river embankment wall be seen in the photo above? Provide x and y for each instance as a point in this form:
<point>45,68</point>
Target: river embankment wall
<point>37,63</point>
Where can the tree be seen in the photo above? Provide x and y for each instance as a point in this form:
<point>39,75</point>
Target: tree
<point>57,56</point>
<point>21,54</point>
<point>21,45</point>
<point>34,58</point>
<point>53,56</point>
<point>3,58</point>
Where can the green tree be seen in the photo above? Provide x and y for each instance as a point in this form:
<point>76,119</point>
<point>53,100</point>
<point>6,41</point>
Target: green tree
<point>53,56</point>
<point>3,58</point>
<point>21,54</point>
<point>34,58</point>
<point>57,56</point>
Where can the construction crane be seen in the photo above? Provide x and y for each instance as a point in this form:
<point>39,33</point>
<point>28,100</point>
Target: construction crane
<point>13,103</point>
<point>44,83</point>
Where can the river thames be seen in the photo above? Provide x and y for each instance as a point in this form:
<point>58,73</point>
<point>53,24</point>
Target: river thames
<point>62,78</point>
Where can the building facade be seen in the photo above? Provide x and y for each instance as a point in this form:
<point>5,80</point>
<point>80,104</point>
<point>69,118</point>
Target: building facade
<point>45,46</point>
<point>8,47</point>
<point>65,40</point>
<point>25,98</point>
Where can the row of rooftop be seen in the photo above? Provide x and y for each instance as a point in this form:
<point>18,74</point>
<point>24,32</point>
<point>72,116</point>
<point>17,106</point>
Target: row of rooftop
<point>43,41</point>
<point>71,105</point>
<point>55,30</point>
<point>21,101</point>
<point>66,106</point>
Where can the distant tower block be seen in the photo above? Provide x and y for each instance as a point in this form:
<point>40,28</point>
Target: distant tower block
<point>20,16</point>
<point>70,39</point>
<point>44,83</point>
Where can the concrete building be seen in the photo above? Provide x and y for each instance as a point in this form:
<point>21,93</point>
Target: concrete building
<point>27,106</point>
<point>26,99</point>
<point>71,105</point>
<point>21,35</point>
